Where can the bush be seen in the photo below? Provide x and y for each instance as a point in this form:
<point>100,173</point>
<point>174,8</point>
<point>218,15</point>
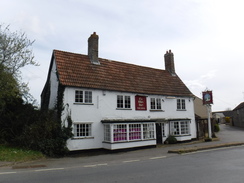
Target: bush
<point>216,128</point>
<point>47,135</point>
<point>171,139</point>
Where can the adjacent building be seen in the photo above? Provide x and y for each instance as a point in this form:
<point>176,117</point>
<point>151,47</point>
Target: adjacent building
<point>238,115</point>
<point>115,105</point>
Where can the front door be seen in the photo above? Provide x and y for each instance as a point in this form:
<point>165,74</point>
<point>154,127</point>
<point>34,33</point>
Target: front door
<point>159,133</point>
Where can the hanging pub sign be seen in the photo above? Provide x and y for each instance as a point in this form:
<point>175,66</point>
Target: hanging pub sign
<point>141,102</point>
<point>207,97</point>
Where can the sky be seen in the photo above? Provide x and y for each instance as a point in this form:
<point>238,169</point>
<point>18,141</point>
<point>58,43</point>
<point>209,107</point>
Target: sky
<point>206,37</point>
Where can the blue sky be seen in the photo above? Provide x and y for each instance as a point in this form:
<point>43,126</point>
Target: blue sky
<point>206,37</point>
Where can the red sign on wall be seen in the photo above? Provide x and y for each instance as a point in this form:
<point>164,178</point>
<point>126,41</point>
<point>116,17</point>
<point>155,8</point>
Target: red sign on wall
<point>141,103</point>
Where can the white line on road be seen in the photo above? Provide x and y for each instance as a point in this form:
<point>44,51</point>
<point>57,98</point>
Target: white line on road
<point>129,161</point>
<point>50,169</point>
<point>3,173</point>
<point>89,166</point>
<point>159,157</point>
<point>103,164</point>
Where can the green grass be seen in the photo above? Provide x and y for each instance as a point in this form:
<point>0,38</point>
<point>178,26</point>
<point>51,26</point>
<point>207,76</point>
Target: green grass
<point>14,154</point>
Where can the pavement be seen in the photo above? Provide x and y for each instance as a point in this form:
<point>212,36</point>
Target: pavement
<point>227,136</point>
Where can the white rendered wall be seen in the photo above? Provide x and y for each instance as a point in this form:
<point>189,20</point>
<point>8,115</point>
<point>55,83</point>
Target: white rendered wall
<point>104,106</point>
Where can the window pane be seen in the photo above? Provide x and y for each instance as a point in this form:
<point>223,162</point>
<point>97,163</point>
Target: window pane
<point>119,101</point>
<point>178,104</point>
<point>176,128</point>
<point>183,104</point>
<point>135,131</point>
<point>82,130</point>
<point>127,101</point>
<point>120,132</point>
<point>88,97</point>
<point>78,96</point>
<point>148,131</point>
<point>184,127</point>
<point>107,133</point>
<point>158,103</point>
<point>153,106</point>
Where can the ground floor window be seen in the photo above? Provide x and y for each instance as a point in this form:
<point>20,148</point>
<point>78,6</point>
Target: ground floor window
<point>82,130</point>
<point>128,132</point>
<point>120,132</point>
<point>180,127</point>
<point>148,131</point>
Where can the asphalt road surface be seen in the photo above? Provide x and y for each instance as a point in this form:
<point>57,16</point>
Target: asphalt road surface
<point>224,165</point>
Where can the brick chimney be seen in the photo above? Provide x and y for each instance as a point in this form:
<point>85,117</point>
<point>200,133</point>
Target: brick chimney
<point>169,62</point>
<point>93,48</point>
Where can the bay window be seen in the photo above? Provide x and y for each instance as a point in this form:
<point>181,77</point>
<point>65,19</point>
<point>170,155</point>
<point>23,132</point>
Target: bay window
<point>129,132</point>
<point>180,128</point>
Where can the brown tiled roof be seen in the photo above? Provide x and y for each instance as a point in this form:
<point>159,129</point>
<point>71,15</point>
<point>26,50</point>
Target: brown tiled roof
<point>76,70</point>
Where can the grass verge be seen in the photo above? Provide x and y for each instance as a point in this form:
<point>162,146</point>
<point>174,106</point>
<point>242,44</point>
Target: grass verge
<point>14,154</point>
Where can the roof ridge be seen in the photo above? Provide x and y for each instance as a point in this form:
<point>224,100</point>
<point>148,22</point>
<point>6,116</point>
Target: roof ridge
<point>111,60</point>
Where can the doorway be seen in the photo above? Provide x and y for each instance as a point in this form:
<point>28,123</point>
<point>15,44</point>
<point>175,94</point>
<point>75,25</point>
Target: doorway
<point>159,134</point>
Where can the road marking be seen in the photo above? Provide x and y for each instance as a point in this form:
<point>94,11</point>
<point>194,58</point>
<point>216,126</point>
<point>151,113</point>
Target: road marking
<point>103,164</point>
<point>159,157</point>
<point>87,166</point>
<point>50,169</point>
<point>129,161</point>
<point>3,173</point>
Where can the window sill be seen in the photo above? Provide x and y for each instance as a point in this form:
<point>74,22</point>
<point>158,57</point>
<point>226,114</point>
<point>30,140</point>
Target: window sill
<point>80,103</point>
<point>181,110</point>
<point>128,141</point>
<point>156,110</point>
<point>79,138</point>
<point>182,135</point>
<point>123,109</point>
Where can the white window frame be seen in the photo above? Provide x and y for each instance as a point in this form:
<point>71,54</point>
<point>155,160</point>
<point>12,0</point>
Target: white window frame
<point>181,104</point>
<point>123,102</point>
<point>83,129</point>
<point>155,104</point>
<point>148,131</point>
<point>83,96</point>
<point>129,132</point>
<point>107,132</point>
<point>180,128</point>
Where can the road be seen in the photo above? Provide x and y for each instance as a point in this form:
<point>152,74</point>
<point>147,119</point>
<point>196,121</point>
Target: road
<point>224,165</point>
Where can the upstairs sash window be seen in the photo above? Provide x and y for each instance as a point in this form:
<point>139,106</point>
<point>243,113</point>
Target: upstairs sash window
<point>83,96</point>
<point>123,102</point>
